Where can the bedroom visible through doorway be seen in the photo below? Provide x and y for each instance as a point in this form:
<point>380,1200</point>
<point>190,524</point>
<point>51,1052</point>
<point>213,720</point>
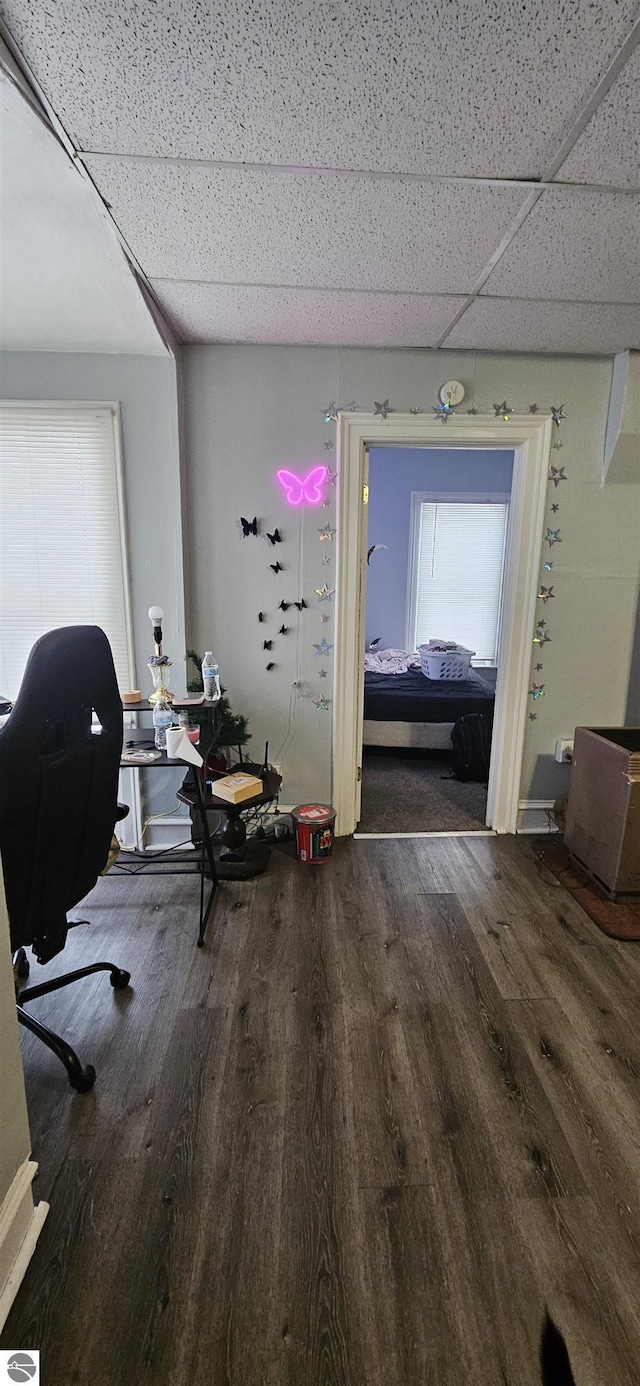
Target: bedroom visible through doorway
<point>437,531</point>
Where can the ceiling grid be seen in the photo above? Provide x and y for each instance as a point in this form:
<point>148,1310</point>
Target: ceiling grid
<point>362,172</point>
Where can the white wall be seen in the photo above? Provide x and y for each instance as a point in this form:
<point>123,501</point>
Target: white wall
<point>65,284</point>
<point>15,1141</point>
<point>249,410</point>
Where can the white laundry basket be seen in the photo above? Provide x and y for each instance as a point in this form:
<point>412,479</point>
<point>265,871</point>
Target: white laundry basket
<point>445,665</point>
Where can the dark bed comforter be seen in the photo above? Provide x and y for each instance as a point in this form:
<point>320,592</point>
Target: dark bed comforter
<point>411,697</point>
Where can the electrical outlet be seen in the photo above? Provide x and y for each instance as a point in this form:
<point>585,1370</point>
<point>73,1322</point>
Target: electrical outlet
<point>564,751</point>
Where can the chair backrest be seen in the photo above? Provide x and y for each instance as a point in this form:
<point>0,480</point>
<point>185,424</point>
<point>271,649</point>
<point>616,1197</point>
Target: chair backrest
<point>58,783</point>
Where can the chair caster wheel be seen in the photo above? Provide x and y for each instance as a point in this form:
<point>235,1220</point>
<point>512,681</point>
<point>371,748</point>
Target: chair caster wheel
<point>85,1079</point>
<point>21,964</point>
<point>119,979</point>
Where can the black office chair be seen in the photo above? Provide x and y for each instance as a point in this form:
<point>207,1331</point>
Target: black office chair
<point>58,807</point>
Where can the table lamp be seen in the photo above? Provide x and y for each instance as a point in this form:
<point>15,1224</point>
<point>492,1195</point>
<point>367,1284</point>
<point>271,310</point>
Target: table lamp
<point>157,663</point>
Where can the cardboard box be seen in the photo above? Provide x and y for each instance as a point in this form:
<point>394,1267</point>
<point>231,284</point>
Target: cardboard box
<point>236,788</point>
<point>603,813</point>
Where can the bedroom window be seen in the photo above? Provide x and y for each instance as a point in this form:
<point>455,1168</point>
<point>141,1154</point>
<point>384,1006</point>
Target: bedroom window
<point>62,558</point>
<point>457,561</point>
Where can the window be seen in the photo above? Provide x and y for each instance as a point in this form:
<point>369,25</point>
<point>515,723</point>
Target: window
<point>61,544</point>
<point>456,573</point>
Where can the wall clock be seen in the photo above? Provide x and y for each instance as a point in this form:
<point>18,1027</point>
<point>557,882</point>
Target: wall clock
<point>452,393</point>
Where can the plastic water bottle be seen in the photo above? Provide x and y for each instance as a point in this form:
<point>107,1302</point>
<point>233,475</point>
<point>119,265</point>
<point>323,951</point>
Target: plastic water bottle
<point>162,718</point>
<point>211,677</point>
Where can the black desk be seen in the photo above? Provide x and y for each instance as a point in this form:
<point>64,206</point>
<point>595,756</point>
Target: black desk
<point>239,860</point>
<point>177,861</point>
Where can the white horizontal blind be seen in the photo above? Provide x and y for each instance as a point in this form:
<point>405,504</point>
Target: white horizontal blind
<point>460,558</point>
<point>61,549</point>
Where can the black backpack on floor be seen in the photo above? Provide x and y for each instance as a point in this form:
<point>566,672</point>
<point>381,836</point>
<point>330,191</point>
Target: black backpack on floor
<point>471,742</point>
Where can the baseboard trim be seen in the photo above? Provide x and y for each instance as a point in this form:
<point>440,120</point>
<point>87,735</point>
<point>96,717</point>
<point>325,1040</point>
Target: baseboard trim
<point>533,816</point>
<point>20,1227</point>
<point>463,832</point>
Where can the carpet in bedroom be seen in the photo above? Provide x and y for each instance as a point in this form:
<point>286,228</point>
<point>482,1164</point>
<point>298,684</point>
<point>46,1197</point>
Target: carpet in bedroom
<point>410,795</point>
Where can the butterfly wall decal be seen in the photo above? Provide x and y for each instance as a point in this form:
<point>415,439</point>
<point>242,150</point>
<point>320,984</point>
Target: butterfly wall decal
<point>303,488</point>
<point>276,567</point>
<point>283,606</point>
<point>284,630</point>
<point>267,644</point>
<point>270,665</point>
<point>276,537</point>
<point>249,526</point>
<point>302,605</point>
<point>261,616</point>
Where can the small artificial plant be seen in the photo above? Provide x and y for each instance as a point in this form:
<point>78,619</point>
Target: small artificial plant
<point>232,727</point>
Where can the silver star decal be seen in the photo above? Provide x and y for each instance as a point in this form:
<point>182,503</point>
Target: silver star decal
<point>322,649</point>
<point>322,673</point>
<point>555,508</point>
<point>536,690</point>
<point>541,638</point>
<point>415,410</point>
<point>538,668</point>
<point>533,716</point>
<point>382,409</point>
<point>555,447</point>
<point>324,618</point>
<point>472,411</point>
<point>556,475</point>
<point>548,566</point>
<point>321,704</point>
<point>442,411</point>
<point>330,479</point>
<point>533,408</point>
<point>350,406</point>
<point>326,533</point>
<point>326,559</point>
<point>552,537</point>
<point>325,593</point>
<point>331,412</point>
<point>328,447</point>
<point>557,413</point>
<point>502,409</point>
<point>546,594</point>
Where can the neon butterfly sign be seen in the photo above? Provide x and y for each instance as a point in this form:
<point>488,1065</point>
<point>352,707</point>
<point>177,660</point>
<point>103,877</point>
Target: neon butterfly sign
<point>303,488</point>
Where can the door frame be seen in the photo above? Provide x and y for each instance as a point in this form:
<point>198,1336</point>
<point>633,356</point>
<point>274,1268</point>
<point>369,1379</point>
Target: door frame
<point>529,438</point>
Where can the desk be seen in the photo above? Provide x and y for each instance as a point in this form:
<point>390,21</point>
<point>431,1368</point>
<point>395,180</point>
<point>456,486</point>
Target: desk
<point>177,861</point>
<point>240,860</point>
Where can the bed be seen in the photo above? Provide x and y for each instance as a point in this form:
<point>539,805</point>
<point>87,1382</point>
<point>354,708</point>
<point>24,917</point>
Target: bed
<point>407,709</point>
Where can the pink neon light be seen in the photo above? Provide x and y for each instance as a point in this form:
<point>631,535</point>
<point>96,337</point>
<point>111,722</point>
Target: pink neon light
<point>306,488</point>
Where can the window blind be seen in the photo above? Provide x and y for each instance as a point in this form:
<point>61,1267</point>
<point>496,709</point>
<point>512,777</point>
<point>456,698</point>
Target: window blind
<point>458,577</point>
<point>61,548</point>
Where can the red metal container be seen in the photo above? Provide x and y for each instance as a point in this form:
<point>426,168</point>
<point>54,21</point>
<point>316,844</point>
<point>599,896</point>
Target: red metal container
<point>314,825</point>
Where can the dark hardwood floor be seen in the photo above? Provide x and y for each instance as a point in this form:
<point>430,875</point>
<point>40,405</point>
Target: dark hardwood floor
<point>388,1114</point>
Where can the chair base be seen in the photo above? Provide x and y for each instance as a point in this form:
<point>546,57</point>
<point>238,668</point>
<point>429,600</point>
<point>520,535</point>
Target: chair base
<point>81,1076</point>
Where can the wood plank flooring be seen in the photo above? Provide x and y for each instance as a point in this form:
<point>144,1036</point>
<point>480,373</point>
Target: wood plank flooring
<point>388,1114</point>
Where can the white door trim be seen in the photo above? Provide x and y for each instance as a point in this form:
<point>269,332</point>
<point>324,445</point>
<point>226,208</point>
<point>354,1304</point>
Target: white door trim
<point>529,437</point>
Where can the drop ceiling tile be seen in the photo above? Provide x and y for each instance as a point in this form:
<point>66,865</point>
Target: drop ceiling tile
<point>189,221</point>
<point>511,324</point>
<point>478,88</point>
<point>315,317</point>
<point>574,245</point>
<point>608,150</point>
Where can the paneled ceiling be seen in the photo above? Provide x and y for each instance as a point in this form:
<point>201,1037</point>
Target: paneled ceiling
<point>367,172</point>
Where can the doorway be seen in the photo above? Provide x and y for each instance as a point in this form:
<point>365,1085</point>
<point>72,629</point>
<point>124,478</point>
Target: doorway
<point>437,529</point>
<point>529,439</point>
